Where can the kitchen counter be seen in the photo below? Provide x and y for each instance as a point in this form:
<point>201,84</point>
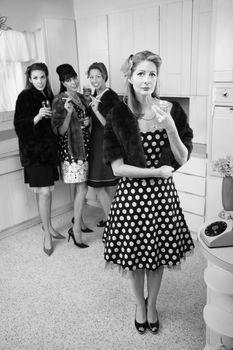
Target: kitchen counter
<point>218,312</point>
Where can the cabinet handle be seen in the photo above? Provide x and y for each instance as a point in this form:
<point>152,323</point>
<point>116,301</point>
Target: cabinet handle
<point>225,93</point>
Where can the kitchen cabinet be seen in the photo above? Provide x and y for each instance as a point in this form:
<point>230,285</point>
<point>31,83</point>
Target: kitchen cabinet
<point>175,47</point>
<point>178,30</point>
<point>201,47</point>
<point>129,32</point>
<point>198,118</point>
<point>92,44</point>
<point>190,181</point>
<point>214,197</point>
<point>223,45</point>
<point>165,29</point>
<point>18,203</point>
<point>61,46</point>
<point>120,38</point>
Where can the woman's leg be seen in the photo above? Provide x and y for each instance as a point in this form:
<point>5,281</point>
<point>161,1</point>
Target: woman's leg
<point>110,191</point>
<point>79,200</point>
<point>154,279</point>
<point>138,282</point>
<point>104,200</point>
<point>44,199</point>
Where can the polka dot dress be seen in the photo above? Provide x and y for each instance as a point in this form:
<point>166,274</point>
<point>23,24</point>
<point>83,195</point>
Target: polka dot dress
<point>74,171</point>
<point>146,228</point>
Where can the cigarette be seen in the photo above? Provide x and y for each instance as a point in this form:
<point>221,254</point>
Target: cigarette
<point>95,99</point>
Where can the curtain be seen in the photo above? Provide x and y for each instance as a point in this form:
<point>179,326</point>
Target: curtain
<point>17,51</point>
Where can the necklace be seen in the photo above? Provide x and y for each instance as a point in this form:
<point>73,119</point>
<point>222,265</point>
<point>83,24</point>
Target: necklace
<point>148,119</point>
<point>75,98</point>
<point>101,94</point>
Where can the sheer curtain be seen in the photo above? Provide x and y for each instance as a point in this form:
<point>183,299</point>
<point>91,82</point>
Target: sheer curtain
<point>17,51</point>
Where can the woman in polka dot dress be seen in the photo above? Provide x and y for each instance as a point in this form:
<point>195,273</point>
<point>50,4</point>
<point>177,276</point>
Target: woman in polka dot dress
<point>145,141</point>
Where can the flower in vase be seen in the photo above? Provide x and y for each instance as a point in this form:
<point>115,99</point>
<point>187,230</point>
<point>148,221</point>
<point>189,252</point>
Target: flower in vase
<point>224,166</point>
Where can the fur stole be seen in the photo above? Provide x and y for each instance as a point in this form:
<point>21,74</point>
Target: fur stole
<point>122,137</point>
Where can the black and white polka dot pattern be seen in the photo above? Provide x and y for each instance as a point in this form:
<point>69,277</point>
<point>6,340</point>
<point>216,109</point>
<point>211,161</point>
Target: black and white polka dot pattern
<point>74,171</point>
<point>146,228</point>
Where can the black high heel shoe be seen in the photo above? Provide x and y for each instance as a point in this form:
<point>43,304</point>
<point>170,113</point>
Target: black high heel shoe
<point>102,223</point>
<point>140,327</point>
<point>71,234</point>
<point>153,326</point>
<point>86,230</point>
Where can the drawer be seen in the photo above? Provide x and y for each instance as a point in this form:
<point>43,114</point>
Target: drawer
<point>192,204</point>
<point>193,221</point>
<point>194,166</point>
<point>223,95</point>
<point>223,112</point>
<point>189,183</point>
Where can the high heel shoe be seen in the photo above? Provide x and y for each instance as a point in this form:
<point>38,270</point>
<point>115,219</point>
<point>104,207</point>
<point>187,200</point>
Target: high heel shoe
<point>153,326</point>
<point>71,234</point>
<point>102,223</point>
<point>58,236</point>
<point>86,230</point>
<point>140,327</point>
<point>47,251</point>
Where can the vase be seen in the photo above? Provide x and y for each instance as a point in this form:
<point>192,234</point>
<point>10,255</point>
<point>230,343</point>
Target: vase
<point>227,193</point>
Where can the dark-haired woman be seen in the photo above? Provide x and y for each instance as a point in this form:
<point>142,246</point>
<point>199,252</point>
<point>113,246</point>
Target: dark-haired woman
<point>100,176</point>
<point>145,142</point>
<point>70,121</point>
<point>38,145</point>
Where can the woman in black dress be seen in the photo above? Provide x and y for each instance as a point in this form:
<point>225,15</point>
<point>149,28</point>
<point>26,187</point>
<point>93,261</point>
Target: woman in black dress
<point>145,141</point>
<point>71,121</point>
<point>38,145</point>
<point>100,176</point>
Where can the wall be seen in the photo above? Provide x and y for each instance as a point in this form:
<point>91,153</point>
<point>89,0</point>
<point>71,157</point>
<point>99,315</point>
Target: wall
<point>29,14</point>
<point>83,8</point>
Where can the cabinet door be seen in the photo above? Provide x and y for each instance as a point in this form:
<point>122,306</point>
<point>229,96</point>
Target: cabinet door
<point>146,29</point>
<point>201,47</point>
<point>92,39</point>
<point>129,32</point>
<point>223,61</point>
<point>61,46</point>
<point>120,41</point>
<point>175,47</point>
<point>198,118</point>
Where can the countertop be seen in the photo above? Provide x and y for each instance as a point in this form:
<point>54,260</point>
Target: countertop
<point>222,257</point>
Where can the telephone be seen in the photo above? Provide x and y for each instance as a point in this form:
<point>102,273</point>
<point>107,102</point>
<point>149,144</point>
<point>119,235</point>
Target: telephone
<point>217,233</point>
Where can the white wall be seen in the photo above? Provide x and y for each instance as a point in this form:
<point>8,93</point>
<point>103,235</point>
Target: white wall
<point>29,14</point>
<point>83,8</point>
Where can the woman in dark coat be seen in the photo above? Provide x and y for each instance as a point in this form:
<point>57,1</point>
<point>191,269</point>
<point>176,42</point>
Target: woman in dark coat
<point>70,120</point>
<point>38,145</point>
<point>145,141</point>
<point>100,176</point>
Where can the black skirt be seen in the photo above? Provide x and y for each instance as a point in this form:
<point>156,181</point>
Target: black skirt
<point>41,175</point>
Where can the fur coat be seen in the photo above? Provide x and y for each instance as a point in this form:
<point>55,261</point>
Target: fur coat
<point>122,137</point>
<point>37,143</point>
<point>75,135</point>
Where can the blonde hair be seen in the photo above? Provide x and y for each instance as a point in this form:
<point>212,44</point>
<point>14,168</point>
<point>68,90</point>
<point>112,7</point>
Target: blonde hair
<point>128,68</point>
